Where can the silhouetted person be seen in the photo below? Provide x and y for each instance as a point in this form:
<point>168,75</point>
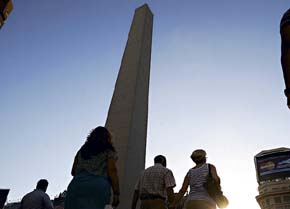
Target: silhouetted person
<point>37,199</point>
<point>154,186</point>
<point>285,52</point>
<point>94,173</point>
<point>198,197</point>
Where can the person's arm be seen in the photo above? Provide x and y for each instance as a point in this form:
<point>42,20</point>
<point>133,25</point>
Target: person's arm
<point>169,184</point>
<point>73,170</point>
<point>47,202</point>
<point>170,195</point>
<point>181,191</point>
<point>135,199</point>
<point>136,193</point>
<point>214,174</point>
<point>113,175</point>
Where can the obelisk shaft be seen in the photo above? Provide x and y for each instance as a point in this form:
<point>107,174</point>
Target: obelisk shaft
<point>128,112</point>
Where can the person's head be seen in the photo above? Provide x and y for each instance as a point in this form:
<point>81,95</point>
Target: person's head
<point>98,140</point>
<point>160,159</point>
<point>198,156</point>
<point>101,135</point>
<point>42,184</point>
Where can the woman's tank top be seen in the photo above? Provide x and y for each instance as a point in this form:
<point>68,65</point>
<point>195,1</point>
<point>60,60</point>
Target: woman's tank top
<point>197,177</point>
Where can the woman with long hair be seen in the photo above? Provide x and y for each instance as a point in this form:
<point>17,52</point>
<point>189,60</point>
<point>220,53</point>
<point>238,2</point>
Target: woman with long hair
<point>94,173</point>
<point>198,198</point>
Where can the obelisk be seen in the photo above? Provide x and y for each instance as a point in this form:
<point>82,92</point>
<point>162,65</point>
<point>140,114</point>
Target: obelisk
<point>128,112</point>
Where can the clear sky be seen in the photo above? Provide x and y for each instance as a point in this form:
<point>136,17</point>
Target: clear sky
<point>216,83</point>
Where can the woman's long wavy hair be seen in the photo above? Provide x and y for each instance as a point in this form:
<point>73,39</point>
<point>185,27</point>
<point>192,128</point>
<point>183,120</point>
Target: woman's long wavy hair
<point>97,142</point>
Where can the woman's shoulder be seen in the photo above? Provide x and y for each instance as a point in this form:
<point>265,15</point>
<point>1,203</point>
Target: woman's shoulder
<point>197,168</point>
<point>204,165</point>
<point>104,154</point>
<point>111,154</point>
<point>190,171</point>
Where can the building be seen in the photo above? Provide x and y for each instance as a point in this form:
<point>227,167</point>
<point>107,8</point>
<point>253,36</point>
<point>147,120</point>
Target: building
<point>273,177</point>
<point>3,197</point>
<point>6,7</point>
<point>274,195</point>
<point>285,52</point>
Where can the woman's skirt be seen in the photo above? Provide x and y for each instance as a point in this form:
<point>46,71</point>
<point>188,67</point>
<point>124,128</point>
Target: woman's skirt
<point>88,191</point>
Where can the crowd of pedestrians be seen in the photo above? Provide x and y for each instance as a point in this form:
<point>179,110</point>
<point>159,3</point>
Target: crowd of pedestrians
<point>95,175</point>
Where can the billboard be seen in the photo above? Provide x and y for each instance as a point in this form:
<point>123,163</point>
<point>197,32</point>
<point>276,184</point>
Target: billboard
<point>273,165</point>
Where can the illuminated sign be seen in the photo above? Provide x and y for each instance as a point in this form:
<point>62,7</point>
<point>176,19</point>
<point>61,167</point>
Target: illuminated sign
<point>273,165</point>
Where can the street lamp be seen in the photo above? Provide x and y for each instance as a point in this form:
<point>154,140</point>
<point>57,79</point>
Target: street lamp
<point>285,52</point>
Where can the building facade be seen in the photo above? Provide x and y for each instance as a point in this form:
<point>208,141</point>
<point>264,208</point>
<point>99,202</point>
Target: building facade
<point>274,195</point>
<point>6,7</point>
<point>273,176</point>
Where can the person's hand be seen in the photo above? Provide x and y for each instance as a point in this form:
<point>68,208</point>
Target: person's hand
<point>116,201</point>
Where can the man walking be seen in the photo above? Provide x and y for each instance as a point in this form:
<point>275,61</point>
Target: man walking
<point>154,186</point>
<point>37,199</point>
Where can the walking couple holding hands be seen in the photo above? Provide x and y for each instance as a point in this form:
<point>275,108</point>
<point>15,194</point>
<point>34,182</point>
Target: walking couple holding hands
<point>156,184</point>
